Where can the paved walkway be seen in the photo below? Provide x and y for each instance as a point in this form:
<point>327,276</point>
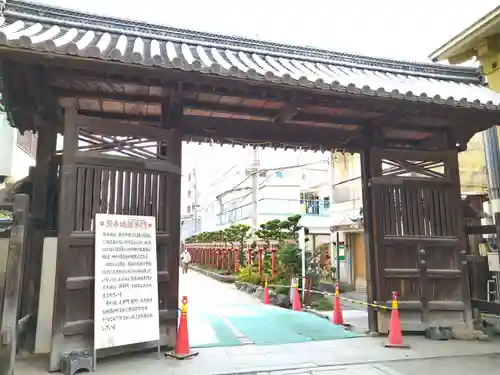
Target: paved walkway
<point>219,315</point>
<point>358,356</point>
<point>355,356</point>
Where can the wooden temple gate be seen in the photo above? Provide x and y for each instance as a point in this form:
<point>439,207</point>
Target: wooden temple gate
<point>138,180</point>
<point>418,240</point>
<point>137,90</point>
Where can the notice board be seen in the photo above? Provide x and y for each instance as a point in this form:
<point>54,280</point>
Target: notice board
<point>126,281</point>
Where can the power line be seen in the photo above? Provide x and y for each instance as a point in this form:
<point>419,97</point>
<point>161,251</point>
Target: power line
<point>278,169</point>
<point>220,179</point>
<point>274,169</point>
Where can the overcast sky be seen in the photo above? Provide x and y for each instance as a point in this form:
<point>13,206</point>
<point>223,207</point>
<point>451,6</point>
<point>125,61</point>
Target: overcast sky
<point>399,29</point>
<point>404,29</point>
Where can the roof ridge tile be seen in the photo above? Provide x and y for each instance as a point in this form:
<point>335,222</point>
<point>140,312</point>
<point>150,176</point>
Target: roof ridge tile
<point>127,26</point>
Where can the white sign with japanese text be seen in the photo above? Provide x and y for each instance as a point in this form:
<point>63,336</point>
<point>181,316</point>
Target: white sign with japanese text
<point>126,281</point>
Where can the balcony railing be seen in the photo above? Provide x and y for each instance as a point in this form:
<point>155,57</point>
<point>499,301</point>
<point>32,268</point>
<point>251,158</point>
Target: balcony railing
<point>288,207</point>
<point>276,207</point>
<point>316,207</point>
<point>235,214</point>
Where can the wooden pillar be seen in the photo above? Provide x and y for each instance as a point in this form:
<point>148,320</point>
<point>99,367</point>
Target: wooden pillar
<point>65,227</point>
<point>452,172</point>
<point>369,232</point>
<point>174,154</point>
<point>9,320</point>
<point>47,139</point>
<point>171,113</point>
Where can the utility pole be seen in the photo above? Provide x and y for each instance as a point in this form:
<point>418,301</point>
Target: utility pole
<point>492,157</point>
<point>334,253</point>
<point>255,188</point>
<point>195,188</point>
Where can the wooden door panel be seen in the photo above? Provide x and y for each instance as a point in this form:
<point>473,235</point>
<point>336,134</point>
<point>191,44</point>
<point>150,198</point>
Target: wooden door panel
<point>102,189</point>
<point>417,249</point>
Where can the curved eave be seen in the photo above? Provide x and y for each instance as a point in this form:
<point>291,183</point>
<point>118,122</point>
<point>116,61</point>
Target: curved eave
<point>467,40</point>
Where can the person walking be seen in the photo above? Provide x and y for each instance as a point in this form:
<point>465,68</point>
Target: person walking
<point>185,260</point>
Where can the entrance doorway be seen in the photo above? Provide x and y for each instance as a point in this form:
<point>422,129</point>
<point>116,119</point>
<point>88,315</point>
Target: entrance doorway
<point>74,73</point>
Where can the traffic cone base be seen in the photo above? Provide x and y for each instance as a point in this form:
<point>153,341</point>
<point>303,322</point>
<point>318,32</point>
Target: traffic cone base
<point>171,354</point>
<point>387,344</point>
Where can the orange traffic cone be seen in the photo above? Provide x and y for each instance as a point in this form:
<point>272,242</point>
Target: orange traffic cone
<point>182,350</point>
<point>296,305</point>
<point>267,300</point>
<point>337,309</point>
<point>395,339</point>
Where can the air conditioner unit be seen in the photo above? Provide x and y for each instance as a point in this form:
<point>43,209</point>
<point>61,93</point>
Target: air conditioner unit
<point>493,262</point>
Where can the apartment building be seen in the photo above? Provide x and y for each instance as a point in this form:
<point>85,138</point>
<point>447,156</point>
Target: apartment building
<point>289,182</point>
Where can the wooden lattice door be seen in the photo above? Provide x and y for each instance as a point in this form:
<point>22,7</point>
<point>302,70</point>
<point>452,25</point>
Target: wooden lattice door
<point>104,173</point>
<point>419,248</point>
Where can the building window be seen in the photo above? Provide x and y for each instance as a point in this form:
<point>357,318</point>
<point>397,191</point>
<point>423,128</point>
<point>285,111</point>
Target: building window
<point>189,193</point>
<point>326,202</point>
<point>278,174</point>
<point>27,142</point>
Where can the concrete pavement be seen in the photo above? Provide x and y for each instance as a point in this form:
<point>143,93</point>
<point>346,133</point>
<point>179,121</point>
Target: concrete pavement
<point>358,356</point>
<point>463,365</point>
<point>355,356</point>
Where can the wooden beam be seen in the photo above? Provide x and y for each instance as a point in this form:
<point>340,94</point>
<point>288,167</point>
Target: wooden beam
<point>280,116</point>
<point>163,166</point>
<point>110,95</point>
<point>149,120</point>
<point>117,127</point>
<point>287,112</point>
<point>263,131</point>
<point>485,306</point>
<point>480,229</point>
<point>200,129</point>
<point>262,113</point>
<point>197,82</point>
<point>200,83</point>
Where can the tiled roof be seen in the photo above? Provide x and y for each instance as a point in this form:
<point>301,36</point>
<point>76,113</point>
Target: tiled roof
<point>61,31</point>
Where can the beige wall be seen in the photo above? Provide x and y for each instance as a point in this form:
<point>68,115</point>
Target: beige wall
<point>46,298</point>
<point>4,247</point>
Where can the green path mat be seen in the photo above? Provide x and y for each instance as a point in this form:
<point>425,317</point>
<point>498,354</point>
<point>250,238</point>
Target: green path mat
<point>280,326</point>
<point>225,336</point>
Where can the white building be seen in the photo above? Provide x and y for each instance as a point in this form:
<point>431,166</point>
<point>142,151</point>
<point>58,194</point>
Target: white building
<point>17,152</point>
<point>289,183</point>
